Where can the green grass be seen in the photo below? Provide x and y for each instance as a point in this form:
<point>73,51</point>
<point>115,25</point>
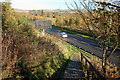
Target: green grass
<point>85,35</point>
<point>72,48</point>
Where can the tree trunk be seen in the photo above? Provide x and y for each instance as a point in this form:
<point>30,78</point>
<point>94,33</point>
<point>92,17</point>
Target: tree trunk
<point>104,59</point>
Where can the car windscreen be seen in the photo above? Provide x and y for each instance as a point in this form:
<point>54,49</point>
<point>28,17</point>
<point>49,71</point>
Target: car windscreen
<point>62,33</point>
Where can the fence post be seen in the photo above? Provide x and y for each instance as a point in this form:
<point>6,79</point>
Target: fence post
<point>88,69</point>
<point>81,57</point>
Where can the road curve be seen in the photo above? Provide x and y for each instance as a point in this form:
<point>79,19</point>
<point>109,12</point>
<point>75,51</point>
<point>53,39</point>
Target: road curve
<point>88,45</point>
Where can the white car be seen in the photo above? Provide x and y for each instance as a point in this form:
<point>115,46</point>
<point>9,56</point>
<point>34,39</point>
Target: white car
<point>63,34</point>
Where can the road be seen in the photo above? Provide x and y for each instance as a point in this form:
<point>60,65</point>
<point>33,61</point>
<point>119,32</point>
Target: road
<point>88,45</point>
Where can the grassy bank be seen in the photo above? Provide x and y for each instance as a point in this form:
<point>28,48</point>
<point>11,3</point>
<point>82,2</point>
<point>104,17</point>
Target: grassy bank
<point>49,55</point>
<point>26,54</point>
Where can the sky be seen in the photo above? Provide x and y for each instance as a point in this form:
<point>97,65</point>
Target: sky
<point>39,4</point>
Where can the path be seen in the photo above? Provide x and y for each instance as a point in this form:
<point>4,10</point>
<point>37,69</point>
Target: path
<point>74,69</point>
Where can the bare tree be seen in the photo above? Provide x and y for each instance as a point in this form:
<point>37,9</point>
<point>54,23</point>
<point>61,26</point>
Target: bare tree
<point>102,20</point>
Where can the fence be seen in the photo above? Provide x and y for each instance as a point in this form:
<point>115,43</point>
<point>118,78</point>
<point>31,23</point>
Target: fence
<point>112,70</point>
<point>90,71</point>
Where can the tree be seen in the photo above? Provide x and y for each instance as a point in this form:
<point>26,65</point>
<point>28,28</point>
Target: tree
<point>42,13</point>
<point>100,19</point>
<point>16,34</point>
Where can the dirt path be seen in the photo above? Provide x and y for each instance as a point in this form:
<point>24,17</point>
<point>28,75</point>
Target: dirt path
<point>74,69</point>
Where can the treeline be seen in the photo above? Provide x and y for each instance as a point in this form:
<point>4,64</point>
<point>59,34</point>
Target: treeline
<point>64,19</point>
<point>94,22</point>
<point>74,19</point>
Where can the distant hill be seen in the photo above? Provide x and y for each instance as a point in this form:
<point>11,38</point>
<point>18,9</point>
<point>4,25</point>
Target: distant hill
<point>20,10</point>
<point>50,10</point>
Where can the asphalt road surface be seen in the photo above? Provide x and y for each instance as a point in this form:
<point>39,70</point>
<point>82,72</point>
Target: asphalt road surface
<point>88,45</point>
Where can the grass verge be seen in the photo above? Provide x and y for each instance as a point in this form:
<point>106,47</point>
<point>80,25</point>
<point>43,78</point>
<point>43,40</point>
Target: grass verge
<point>85,35</point>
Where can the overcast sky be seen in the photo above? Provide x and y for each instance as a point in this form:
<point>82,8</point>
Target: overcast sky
<point>39,4</point>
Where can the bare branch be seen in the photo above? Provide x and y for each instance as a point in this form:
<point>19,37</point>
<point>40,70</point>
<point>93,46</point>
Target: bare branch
<point>113,50</point>
<point>76,4</point>
<point>68,6</point>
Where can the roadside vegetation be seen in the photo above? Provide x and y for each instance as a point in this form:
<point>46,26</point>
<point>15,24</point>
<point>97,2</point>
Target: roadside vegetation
<point>72,22</point>
<point>26,54</point>
<point>96,20</point>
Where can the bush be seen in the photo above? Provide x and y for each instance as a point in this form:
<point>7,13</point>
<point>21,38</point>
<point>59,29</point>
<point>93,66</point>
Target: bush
<point>25,54</point>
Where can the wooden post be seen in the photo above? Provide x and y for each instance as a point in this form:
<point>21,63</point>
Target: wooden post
<point>104,60</point>
<point>88,67</point>
<point>81,57</point>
